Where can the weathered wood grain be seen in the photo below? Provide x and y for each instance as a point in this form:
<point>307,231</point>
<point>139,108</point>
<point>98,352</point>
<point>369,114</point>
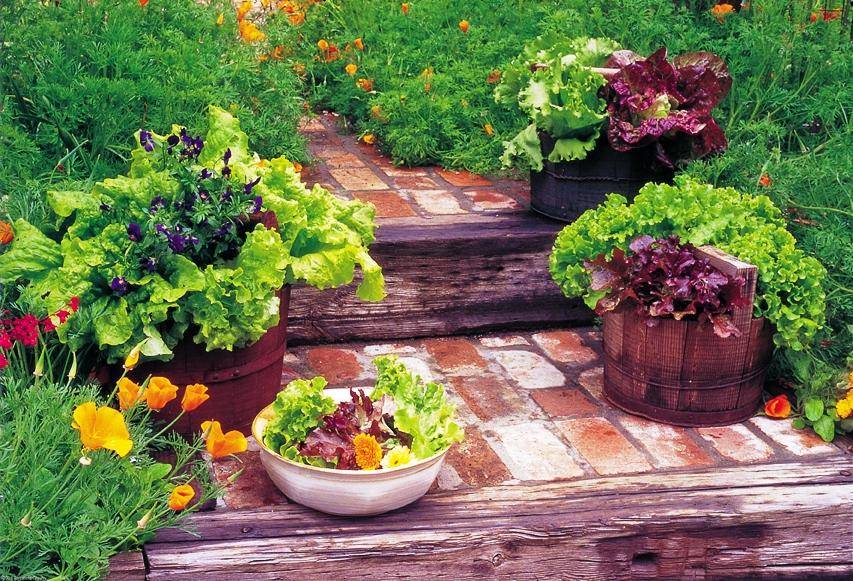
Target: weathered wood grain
<point>128,566</point>
<point>445,276</point>
<point>777,520</point>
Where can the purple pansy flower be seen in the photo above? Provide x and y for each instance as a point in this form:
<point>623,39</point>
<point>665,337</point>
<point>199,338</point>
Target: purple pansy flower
<point>156,203</point>
<point>205,174</point>
<point>134,232</point>
<point>248,187</point>
<point>146,140</point>
<point>256,205</point>
<point>149,264</point>
<point>227,156</point>
<point>119,285</point>
<point>106,208</point>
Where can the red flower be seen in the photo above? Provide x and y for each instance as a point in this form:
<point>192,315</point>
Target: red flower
<point>5,341</point>
<point>74,304</point>
<point>48,325</point>
<point>25,330</point>
<point>3,361</point>
<point>62,315</point>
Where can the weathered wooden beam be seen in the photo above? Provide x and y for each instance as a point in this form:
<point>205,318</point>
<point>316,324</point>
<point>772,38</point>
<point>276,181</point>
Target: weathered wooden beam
<point>775,520</point>
<point>445,276</point>
<point>128,566</point>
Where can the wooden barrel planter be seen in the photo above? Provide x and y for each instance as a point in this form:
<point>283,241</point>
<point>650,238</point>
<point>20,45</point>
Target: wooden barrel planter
<point>240,382</point>
<point>679,372</point>
<point>567,189</point>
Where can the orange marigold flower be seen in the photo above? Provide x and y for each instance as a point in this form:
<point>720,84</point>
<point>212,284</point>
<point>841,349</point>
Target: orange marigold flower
<point>764,181</point>
<point>778,407</point>
<point>323,44</point>
<point>494,77</point>
<point>463,26</point>
<point>843,408</point>
<point>405,8</point>
<point>219,444</point>
<point>128,393</point>
<point>365,85</point>
<point>720,11</point>
<point>351,69</point>
<point>359,44</point>
<point>249,32</point>
<point>296,18</point>
<point>243,9</point>
<point>369,138</point>
<point>220,20</point>
<point>489,129</point>
<point>194,396</point>
<point>6,233</point>
<point>181,497</point>
<point>101,428</point>
<point>368,452</point>
<point>160,391</point>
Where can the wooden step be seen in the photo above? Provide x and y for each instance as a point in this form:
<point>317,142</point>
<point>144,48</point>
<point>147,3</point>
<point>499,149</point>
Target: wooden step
<point>784,520</point>
<point>446,275</point>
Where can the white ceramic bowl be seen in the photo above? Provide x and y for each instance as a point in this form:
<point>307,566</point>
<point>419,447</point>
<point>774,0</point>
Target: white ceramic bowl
<point>346,492</point>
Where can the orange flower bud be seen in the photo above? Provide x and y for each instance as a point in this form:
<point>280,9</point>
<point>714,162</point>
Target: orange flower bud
<point>181,497</point>
<point>6,233</point>
<point>243,10</point>
<point>160,391</point>
<point>463,26</point>
<point>405,8</point>
<point>194,396</point>
<point>764,181</point>
<point>489,129</point>
<point>778,407</point>
<point>359,44</point>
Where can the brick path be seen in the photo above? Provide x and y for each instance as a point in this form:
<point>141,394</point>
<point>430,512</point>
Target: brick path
<point>532,409</point>
<point>352,169</point>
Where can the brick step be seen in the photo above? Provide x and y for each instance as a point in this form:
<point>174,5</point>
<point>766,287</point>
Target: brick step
<point>461,253</point>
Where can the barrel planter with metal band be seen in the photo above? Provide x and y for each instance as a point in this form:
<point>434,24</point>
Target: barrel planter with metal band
<point>567,189</point>
<point>680,372</point>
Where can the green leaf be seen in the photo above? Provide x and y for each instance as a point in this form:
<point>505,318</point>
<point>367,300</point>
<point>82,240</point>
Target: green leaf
<point>798,423</point>
<point>813,409</point>
<point>31,255</point>
<point>825,428</point>
<point>65,202</point>
<point>297,410</point>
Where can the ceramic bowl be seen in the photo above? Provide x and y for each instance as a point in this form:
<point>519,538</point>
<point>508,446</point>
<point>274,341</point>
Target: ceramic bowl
<point>346,492</point>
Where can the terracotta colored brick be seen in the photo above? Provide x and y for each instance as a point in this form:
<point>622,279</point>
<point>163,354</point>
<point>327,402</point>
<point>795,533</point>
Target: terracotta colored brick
<point>532,452</point>
<point>564,402</point>
<point>400,171</point>
<point>603,446</point>
<point>593,381</point>
<point>337,157</point>
<point>388,204</point>
<point>357,178</point>
<point>311,125</point>
<point>489,397</point>
<point>565,347</point>
<point>530,370</point>
<point>737,443</point>
<point>669,446</point>
<point>415,183</point>
<point>505,341</point>
<point>463,179</point>
<point>799,442</point>
<point>336,365</point>
<point>436,201</point>
<point>486,200</point>
<point>475,462</point>
<point>456,356</point>
<point>253,488</point>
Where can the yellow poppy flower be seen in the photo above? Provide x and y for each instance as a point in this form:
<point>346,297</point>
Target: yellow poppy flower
<point>128,393</point>
<point>160,391</point>
<point>101,428</point>
<point>181,497</point>
<point>219,444</point>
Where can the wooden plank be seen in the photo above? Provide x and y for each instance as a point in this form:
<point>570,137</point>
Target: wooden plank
<point>443,277</point>
<point>127,566</point>
<point>766,521</point>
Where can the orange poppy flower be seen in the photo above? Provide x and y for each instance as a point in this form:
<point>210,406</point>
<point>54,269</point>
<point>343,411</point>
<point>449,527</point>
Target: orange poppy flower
<point>143,3</point>
<point>181,497</point>
<point>194,396</point>
<point>764,181</point>
<point>101,428</point>
<point>296,18</point>
<point>369,138</point>
<point>779,407</point>
<point>720,11</point>
<point>160,391</point>
<point>463,26</point>
<point>219,444</point>
<point>128,393</point>
<point>249,32</point>
<point>351,69</point>
<point>323,45</point>
<point>365,85</point>
<point>489,129</point>
<point>359,44</point>
<point>243,9</point>
<point>6,233</point>
<point>405,8</point>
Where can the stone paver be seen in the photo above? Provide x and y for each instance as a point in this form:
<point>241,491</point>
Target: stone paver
<point>463,178</point>
<point>603,446</point>
<point>253,488</point>
<point>359,178</point>
<point>489,397</point>
<point>669,446</point>
<point>487,200</point>
<point>336,365</point>
<point>562,402</point>
<point>476,463</point>
<point>439,202</point>
<point>737,443</point>
<point>800,442</point>
<point>503,341</point>
<point>530,370</point>
<point>456,356</point>
<point>533,452</point>
<point>593,381</point>
<point>565,347</point>
<point>388,204</point>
